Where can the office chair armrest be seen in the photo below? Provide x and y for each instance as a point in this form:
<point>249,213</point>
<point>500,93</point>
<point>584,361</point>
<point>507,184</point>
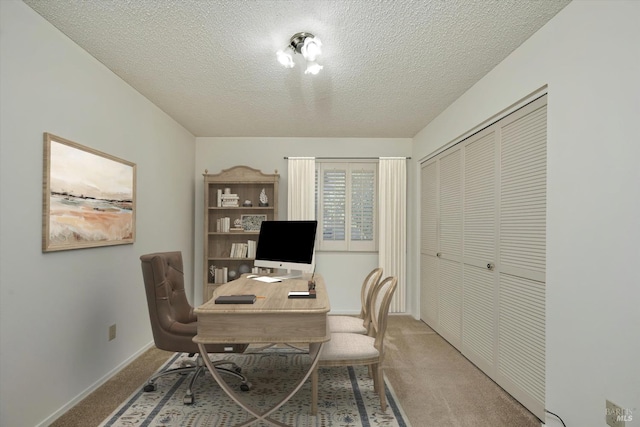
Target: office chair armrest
<point>189,329</point>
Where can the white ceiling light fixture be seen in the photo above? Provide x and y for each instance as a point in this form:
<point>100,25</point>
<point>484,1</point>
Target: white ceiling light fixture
<point>285,58</point>
<point>313,68</point>
<point>306,44</point>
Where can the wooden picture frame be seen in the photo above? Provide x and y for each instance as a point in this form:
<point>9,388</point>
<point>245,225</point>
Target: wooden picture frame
<point>88,197</point>
<point>252,222</point>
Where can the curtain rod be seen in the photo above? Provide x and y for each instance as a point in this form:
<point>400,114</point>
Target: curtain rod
<point>352,158</point>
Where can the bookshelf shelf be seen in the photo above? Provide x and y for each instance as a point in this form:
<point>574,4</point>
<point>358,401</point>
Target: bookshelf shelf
<point>232,186</point>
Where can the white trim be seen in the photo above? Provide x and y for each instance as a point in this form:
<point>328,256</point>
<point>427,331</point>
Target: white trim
<point>488,122</point>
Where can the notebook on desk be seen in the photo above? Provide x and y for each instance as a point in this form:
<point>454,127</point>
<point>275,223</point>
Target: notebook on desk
<point>236,299</point>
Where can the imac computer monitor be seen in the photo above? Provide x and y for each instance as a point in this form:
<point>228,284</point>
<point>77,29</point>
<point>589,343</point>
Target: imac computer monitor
<point>287,245</point>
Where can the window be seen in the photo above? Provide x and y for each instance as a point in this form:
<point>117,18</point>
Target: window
<point>346,206</point>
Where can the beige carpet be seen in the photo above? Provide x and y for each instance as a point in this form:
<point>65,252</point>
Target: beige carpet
<point>433,382</point>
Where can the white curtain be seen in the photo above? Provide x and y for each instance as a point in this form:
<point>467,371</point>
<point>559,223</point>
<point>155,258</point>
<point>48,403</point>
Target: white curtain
<point>301,188</point>
<point>392,214</point>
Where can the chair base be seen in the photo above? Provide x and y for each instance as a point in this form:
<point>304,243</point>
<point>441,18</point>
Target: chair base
<point>199,368</point>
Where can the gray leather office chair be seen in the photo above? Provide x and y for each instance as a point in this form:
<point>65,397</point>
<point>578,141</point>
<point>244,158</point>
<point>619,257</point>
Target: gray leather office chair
<point>173,322</point>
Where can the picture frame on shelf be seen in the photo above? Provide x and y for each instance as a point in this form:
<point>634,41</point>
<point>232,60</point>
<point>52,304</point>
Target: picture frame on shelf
<point>252,222</point>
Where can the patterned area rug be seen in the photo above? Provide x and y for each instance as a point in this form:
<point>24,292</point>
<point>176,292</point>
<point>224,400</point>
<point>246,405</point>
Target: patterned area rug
<point>346,397</point>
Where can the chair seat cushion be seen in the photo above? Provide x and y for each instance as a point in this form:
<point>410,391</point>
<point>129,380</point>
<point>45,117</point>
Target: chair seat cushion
<point>349,347</point>
<point>349,324</point>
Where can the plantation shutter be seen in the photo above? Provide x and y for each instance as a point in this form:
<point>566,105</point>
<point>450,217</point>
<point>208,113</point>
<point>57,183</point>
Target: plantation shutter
<point>363,205</point>
<point>348,206</point>
<point>334,216</point>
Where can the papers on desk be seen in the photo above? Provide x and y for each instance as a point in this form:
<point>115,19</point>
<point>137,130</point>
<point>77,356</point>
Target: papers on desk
<point>266,279</point>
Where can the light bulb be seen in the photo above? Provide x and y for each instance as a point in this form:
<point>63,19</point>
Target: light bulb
<point>285,58</point>
<point>313,68</point>
<point>311,49</point>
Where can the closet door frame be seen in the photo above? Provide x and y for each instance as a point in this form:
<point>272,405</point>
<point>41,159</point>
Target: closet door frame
<point>488,333</point>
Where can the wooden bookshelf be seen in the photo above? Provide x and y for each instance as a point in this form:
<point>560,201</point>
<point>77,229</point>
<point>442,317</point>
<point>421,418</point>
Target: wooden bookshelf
<point>224,196</point>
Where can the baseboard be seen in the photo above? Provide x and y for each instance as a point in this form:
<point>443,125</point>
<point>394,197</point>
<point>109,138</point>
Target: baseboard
<point>93,387</point>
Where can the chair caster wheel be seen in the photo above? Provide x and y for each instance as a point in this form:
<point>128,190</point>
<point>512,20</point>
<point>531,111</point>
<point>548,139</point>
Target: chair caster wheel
<point>245,386</point>
<point>149,387</point>
<point>188,400</point>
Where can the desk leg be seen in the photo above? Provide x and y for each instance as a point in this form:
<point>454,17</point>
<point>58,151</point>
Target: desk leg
<point>314,353</point>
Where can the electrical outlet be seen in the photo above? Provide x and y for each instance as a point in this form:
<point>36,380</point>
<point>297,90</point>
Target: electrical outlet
<point>615,415</point>
<point>112,332</point>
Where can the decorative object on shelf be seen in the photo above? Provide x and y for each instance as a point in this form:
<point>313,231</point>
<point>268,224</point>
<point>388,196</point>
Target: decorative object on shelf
<point>247,203</point>
<point>252,222</point>
<point>264,200</point>
<point>244,268</point>
<point>232,274</point>
<point>237,225</point>
<point>212,274</point>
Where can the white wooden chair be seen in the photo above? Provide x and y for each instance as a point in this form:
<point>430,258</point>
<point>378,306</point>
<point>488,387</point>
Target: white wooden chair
<point>359,324</point>
<point>349,349</point>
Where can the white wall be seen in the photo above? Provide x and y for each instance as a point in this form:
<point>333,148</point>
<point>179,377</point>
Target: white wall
<point>588,56</point>
<point>343,273</point>
<point>55,308</point>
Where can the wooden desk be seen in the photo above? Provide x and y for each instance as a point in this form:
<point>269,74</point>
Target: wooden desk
<point>273,318</point>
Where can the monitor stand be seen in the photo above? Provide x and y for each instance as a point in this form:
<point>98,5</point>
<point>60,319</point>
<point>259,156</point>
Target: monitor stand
<point>291,274</point>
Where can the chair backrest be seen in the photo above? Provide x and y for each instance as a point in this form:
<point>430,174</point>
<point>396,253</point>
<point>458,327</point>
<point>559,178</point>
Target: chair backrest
<point>173,322</point>
<point>368,286</point>
<point>380,302</point>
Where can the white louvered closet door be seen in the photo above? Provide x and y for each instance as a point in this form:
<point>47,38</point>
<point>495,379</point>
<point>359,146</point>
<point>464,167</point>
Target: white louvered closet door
<point>480,253</point>
<point>450,251</point>
<point>484,217</point>
<point>429,243</point>
<point>523,165</point>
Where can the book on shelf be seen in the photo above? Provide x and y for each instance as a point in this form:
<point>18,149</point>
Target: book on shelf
<point>220,275</point>
<point>239,250</point>
<point>243,250</point>
<point>229,200</point>
<point>223,225</point>
<point>225,200</point>
<point>251,248</point>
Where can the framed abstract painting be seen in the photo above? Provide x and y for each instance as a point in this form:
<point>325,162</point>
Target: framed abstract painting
<point>89,197</point>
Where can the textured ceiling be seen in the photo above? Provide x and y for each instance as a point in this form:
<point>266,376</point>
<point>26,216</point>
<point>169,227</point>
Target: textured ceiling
<point>390,67</point>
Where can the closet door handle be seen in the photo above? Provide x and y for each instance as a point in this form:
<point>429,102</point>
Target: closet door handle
<point>439,254</point>
<point>490,266</point>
